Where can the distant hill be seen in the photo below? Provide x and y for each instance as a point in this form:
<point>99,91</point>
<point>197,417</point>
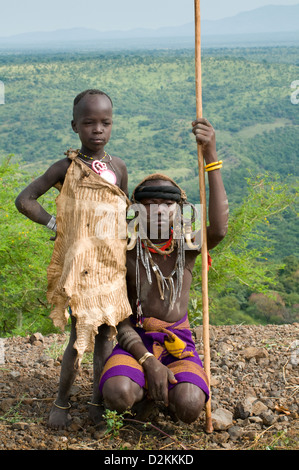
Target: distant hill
<point>268,19</point>
<point>265,20</point>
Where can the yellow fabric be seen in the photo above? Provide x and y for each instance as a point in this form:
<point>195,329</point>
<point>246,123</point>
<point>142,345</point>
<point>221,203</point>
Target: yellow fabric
<point>88,271</point>
<point>172,343</point>
<point>176,346</point>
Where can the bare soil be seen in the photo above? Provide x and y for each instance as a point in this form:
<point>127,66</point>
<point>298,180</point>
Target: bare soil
<point>254,382</point>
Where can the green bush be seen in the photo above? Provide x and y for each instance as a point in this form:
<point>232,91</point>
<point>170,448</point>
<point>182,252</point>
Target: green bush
<point>25,252</point>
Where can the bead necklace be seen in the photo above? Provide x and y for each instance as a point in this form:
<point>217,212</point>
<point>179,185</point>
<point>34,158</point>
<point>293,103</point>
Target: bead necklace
<point>164,282</point>
<point>105,155</point>
<point>161,248</point>
<point>100,167</point>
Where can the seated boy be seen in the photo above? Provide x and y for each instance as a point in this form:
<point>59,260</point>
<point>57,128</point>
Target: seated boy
<point>155,356</point>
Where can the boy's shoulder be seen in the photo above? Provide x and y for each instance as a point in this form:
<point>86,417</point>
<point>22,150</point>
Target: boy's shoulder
<point>63,162</point>
<point>118,161</point>
<point>60,166</point>
<point>57,171</point>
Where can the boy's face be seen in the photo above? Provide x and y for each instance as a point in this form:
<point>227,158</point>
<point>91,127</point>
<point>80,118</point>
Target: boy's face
<point>160,217</point>
<point>160,214</point>
<point>93,122</point>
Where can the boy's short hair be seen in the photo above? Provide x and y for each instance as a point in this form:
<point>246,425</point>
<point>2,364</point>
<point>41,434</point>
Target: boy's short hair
<point>92,91</point>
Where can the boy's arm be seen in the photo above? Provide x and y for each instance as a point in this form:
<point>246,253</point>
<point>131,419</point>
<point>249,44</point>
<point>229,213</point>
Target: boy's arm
<point>156,373</point>
<point>26,202</point>
<point>218,204</point>
<point>130,340</point>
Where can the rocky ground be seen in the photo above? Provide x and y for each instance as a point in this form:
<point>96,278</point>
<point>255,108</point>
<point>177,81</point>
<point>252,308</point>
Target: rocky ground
<point>254,378</point>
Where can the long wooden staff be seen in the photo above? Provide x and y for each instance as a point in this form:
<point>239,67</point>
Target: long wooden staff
<point>202,191</point>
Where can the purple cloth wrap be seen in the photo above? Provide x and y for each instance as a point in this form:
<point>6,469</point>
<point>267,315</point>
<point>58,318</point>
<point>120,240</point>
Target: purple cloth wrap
<point>187,368</point>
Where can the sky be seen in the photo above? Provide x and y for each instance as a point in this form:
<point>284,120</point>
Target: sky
<point>19,16</point>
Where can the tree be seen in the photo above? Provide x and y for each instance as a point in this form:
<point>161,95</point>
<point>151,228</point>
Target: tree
<point>25,252</point>
<point>268,308</point>
<point>240,265</point>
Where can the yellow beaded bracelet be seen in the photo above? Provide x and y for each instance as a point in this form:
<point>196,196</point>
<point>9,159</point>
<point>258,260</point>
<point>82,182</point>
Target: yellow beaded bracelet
<point>217,167</point>
<point>213,166</point>
<point>214,163</point>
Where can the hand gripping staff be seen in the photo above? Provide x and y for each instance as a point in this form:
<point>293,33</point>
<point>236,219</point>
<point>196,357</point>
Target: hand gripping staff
<point>204,251</point>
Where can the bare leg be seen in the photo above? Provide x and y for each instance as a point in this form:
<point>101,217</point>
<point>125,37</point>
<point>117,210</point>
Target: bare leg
<point>187,401</point>
<point>102,349</point>
<point>59,417</point>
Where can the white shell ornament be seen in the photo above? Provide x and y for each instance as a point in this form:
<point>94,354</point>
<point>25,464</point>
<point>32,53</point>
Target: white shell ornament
<point>101,169</point>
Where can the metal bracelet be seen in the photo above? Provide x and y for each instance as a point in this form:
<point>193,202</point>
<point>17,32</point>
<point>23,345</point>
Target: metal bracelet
<point>51,225</point>
<point>144,357</point>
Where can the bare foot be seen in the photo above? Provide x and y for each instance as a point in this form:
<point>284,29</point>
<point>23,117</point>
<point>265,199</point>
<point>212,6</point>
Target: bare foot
<point>58,418</point>
<point>144,409</point>
<point>96,414</point>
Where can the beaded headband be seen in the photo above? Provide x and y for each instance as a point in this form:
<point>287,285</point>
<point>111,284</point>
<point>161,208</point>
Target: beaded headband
<point>158,192</point>
<point>173,188</point>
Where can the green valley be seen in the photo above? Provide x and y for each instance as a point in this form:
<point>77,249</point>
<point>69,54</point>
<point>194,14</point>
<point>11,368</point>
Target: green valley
<point>246,97</point>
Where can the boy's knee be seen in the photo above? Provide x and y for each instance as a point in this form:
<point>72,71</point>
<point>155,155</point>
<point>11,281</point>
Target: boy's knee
<point>188,403</point>
<point>117,394</point>
<point>190,412</point>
